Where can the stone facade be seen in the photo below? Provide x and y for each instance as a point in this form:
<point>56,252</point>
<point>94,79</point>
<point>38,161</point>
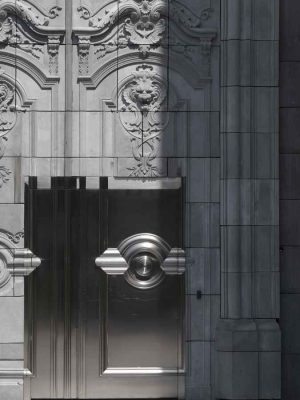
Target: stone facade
<point>289,197</point>
<point>148,90</point>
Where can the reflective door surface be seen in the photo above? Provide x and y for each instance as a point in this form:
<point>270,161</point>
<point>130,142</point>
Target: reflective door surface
<point>115,329</point>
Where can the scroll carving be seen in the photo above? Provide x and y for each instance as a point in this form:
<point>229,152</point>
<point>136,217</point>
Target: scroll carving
<point>15,19</point>
<point>34,16</point>
<point>8,118</point>
<point>141,25</point>
<point>9,34</point>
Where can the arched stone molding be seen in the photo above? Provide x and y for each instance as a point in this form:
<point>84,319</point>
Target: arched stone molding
<point>25,101</point>
<point>44,80</point>
<point>178,64</point>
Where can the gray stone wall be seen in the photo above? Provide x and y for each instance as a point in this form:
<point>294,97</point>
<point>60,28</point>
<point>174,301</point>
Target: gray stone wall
<point>290,196</point>
<point>248,336</point>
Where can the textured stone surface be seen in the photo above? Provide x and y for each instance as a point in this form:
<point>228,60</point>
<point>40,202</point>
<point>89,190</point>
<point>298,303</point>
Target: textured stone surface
<point>289,198</point>
<point>249,202</point>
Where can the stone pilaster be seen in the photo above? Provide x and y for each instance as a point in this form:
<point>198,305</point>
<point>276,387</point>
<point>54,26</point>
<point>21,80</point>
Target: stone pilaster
<point>15,264</point>
<point>248,337</point>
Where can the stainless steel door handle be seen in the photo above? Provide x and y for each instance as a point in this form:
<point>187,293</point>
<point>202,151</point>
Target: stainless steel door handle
<point>143,259</point>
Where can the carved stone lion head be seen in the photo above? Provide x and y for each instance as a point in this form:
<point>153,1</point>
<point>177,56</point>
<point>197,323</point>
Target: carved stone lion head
<point>144,92</point>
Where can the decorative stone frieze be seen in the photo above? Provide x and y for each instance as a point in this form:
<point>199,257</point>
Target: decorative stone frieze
<point>141,25</point>
<point>148,28</point>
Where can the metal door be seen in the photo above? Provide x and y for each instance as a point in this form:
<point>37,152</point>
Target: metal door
<point>115,329</point>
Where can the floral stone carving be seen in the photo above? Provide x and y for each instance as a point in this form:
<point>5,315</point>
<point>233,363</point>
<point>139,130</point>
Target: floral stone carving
<point>141,103</point>
<point>9,34</point>
<point>7,115</point>
<point>15,19</point>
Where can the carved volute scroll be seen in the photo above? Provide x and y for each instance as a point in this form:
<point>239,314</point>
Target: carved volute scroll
<point>26,26</point>
<point>9,110</point>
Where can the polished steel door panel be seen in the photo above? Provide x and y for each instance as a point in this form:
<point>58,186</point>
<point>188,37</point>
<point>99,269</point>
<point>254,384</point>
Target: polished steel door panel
<point>142,328</point>
<point>91,334</point>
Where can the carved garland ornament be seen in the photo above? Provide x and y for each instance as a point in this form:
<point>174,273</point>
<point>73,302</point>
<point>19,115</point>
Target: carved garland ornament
<point>141,24</point>
<point>141,104</point>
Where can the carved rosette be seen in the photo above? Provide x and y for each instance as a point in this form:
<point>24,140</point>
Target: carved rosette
<point>142,101</point>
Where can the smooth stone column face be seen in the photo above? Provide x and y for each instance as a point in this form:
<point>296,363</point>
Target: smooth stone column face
<point>248,359</point>
<point>11,346</point>
<point>248,337</point>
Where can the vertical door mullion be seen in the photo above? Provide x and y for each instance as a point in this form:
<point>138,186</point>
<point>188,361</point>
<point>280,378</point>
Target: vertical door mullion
<point>54,291</point>
<point>67,299</point>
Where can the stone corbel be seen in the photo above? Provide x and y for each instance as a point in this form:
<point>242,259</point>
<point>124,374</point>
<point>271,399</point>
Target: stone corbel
<point>83,54</point>
<point>53,51</point>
